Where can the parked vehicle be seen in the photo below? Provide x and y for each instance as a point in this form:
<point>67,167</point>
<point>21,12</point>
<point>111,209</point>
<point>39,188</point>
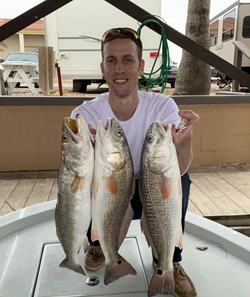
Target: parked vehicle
<point>75,31</point>
<point>232,24</point>
<point>21,57</point>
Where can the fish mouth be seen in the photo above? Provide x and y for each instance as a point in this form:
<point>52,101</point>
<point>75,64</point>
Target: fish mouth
<point>162,128</point>
<point>105,130</point>
<point>76,128</point>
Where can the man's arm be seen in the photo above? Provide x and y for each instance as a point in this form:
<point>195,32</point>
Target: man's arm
<point>182,138</point>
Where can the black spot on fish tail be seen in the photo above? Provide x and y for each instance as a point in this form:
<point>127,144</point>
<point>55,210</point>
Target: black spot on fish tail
<point>159,272</point>
<point>162,282</point>
<point>116,270</point>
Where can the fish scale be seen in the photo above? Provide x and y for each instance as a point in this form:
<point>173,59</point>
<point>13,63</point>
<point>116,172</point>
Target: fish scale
<point>113,182</point>
<point>161,198</point>
<point>73,208</point>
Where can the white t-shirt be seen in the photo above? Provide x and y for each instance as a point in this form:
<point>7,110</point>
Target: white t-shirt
<point>151,107</point>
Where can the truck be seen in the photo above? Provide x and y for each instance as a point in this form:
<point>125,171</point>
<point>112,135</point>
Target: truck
<point>75,31</point>
<point>230,25</point>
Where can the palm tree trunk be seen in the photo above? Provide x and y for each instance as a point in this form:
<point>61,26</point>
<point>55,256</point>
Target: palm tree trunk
<point>194,75</point>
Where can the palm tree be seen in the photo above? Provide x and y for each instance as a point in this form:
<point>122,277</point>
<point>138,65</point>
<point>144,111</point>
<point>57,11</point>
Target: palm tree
<point>193,76</point>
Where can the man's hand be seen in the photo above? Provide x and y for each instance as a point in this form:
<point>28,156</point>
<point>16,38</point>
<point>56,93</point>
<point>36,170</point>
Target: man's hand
<point>92,130</point>
<point>184,130</point>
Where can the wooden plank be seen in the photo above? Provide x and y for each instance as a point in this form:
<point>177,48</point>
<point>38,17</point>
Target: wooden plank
<point>239,183</point>
<point>246,167</point>
<point>29,174</point>
<point>213,168</point>
<point>18,197</point>
<point>193,209</point>
<point>244,230</point>
<point>40,192</point>
<point>54,190</point>
<point>5,209</point>
<point>203,203</point>
<point>231,221</point>
<point>222,201</point>
<point>244,175</point>
<point>228,189</point>
<point>21,193</point>
<point>7,186</point>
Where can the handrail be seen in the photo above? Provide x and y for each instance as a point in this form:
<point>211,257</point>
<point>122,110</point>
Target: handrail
<point>240,48</point>
<point>243,48</point>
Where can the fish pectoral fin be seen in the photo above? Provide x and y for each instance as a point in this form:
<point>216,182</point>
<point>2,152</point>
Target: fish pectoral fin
<point>111,184</point>
<point>78,183</point>
<point>166,187</point>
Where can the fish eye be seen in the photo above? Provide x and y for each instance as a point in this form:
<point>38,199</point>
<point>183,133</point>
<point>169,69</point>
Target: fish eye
<point>150,138</point>
<point>65,138</point>
<point>119,133</point>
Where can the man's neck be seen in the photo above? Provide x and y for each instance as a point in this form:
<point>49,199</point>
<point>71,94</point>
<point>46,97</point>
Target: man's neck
<point>124,108</point>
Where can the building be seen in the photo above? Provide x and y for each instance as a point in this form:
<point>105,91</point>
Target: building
<point>26,40</point>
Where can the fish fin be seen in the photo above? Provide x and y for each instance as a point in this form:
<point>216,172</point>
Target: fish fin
<point>75,267</point>
<point>179,242</point>
<point>78,183</point>
<point>111,184</point>
<point>125,225</point>
<point>57,230</point>
<point>94,235</point>
<point>145,230</point>
<point>162,282</point>
<point>166,187</point>
<point>116,270</point>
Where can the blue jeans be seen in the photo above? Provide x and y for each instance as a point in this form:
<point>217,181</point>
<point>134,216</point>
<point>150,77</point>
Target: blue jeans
<point>137,207</point>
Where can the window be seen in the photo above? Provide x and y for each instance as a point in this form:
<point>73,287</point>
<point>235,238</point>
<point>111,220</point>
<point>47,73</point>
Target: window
<point>228,26</point>
<point>214,33</point>
<point>246,27</point>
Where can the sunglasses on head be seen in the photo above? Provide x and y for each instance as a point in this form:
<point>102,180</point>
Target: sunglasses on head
<point>130,33</point>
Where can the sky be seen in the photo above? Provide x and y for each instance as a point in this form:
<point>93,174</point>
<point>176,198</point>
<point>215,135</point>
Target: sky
<point>174,12</point>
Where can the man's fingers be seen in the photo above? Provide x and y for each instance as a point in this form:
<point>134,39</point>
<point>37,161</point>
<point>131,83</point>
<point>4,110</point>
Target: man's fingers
<point>190,115</point>
<point>92,129</point>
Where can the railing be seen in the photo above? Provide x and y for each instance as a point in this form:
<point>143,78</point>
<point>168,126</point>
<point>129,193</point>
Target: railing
<point>240,48</point>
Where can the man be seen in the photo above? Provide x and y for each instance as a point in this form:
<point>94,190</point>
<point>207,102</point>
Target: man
<point>121,65</point>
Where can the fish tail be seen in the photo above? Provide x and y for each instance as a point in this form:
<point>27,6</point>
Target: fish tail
<point>72,266</point>
<point>162,282</point>
<point>118,269</point>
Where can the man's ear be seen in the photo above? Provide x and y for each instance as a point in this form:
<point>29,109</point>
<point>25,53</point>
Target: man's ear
<point>141,68</point>
<point>102,68</point>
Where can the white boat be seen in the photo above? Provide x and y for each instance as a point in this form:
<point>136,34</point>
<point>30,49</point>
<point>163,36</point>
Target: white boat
<point>30,255</point>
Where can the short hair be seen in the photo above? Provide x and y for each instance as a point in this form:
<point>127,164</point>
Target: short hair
<point>122,33</point>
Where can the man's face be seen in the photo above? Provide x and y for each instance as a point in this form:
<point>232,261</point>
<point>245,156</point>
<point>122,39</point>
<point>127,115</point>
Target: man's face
<point>121,67</point>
